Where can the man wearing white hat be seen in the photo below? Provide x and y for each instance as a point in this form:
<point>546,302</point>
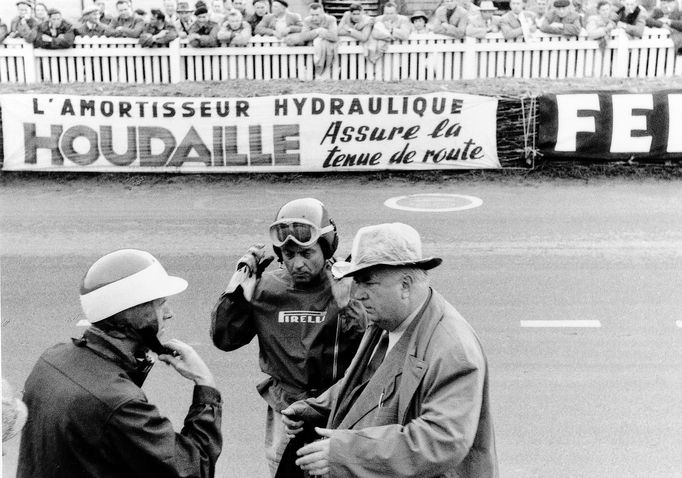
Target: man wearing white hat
<point>88,416</point>
<point>423,410</point>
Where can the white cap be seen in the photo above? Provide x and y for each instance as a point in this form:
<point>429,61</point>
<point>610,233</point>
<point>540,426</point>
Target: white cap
<point>123,279</point>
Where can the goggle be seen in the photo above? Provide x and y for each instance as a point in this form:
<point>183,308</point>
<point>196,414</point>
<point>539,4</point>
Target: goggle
<point>300,231</point>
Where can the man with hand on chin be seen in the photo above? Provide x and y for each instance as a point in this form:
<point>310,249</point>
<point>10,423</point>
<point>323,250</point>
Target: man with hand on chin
<point>88,416</point>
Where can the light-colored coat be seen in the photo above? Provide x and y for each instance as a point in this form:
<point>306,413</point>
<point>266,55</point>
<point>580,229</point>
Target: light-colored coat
<point>424,413</point>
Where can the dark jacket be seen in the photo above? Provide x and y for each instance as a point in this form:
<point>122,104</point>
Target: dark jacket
<point>130,27</point>
<point>88,417</point>
<point>62,37</point>
<point>208,34</point>
<point>306,342</point>
<point>150,30</point>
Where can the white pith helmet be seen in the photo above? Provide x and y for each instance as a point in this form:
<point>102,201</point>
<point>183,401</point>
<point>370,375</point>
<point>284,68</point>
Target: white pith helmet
<point>123,279</point>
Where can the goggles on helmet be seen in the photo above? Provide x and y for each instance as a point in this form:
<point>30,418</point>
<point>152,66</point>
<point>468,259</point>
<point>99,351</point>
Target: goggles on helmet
<point>300,231</point>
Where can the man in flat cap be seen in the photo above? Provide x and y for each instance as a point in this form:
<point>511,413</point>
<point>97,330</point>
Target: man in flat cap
<point>24,24</point>
<point>90,24</point>
<point>185,19</point>
<point>88,416</point>
<point>55,33</point>
<point>204,31</point>
<point>561,20</point>
<point>424,409</point>
<point>280,22</point>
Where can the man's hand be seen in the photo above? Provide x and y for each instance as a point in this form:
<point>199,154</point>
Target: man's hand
<point>291,419</point>
<point>188,363</point>
<point>256,259</point>
<point>315,456</point>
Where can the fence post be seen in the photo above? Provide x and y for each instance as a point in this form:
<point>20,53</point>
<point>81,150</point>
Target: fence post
<point>174,60</point>
<point>622,56</point>
<point>469,59</point>
<point>29,62</point>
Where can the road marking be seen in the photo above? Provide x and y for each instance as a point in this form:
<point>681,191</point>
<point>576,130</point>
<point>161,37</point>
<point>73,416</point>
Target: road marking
<point>434,202</point>
<point>561,323</point>
<point>679,323</point>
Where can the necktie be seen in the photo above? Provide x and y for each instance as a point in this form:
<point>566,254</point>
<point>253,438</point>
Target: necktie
<point>377,357</point>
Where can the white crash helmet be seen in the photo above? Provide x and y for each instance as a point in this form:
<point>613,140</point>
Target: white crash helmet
<point>123,279</point>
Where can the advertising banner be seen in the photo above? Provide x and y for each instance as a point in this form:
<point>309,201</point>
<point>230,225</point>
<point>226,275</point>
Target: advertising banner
<point>611,125</point>
<point>290,133</point>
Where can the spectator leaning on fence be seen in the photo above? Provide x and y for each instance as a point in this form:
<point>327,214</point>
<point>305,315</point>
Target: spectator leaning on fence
<point>483,21</point>
<point>260,9</point>
<point>126,24</point>
<point>419,22</point>
<point>159,31</point>
<point>451,19</point>
<point>281,22</point>
<point>104,17</point>
<point>203,32</point>
<point>600,25</point>
<point>89,25</point>
<point>55,33</point>
<point>668,16</point>
<point>185,19</point>
<point>235,31</point>
<point>561,20</point>
<point>517,22</point>
<point>388,28</point>
<point>355,23</point>
<point>23,25</point>
<point>320,30</point>
<point>631,18</point>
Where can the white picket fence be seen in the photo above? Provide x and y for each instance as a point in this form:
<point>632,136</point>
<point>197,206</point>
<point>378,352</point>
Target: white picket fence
<point>423,57</point>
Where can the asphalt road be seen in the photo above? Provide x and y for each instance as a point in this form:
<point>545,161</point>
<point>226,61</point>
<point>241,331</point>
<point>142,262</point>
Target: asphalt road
<point>567,402</point>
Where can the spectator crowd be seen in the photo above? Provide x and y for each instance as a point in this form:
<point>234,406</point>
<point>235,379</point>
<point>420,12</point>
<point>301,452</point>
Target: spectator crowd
<point>234,22</point>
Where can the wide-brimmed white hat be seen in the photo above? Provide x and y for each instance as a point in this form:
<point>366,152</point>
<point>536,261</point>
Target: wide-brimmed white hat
<point>392,244</point>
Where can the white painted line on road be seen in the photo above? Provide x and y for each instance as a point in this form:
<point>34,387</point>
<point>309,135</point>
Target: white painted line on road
<point>435,202</point>
<point>561,323</point>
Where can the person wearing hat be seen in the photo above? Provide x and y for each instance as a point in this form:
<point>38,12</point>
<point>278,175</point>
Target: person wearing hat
<point>55,33</point>
<point>280,22</point>
<point>518,22</point>
<point>90,24</point>
<point>419,22</point>
<point>308,327</point>
<point>185,19</point>
<point>483,21</point>
<point>24,25</point>
<point>561,20</point>
<point>87,413</point>
<point>260,9</point>
<point>204,31</point>
<point>126,24</point>
<point>415,401</point>
<point>668,16</point>
<point>355,23</point>
<point>159,32</point>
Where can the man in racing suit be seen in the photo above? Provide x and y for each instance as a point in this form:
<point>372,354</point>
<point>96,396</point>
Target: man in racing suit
<point>307,326</point>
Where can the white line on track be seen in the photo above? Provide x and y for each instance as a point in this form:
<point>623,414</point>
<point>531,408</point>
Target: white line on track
<point>439,202</point>
<point>561,323</point>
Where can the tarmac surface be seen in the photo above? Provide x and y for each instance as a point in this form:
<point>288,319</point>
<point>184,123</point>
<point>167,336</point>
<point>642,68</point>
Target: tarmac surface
<point>597,400</point>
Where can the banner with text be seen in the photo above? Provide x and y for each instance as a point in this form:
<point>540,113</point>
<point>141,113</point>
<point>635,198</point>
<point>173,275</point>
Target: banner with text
<point>611,125</point>
<point>290,133</point>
